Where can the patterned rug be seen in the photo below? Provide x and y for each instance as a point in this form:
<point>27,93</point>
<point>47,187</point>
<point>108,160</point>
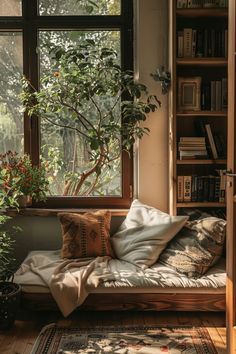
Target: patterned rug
<point>127,340</point>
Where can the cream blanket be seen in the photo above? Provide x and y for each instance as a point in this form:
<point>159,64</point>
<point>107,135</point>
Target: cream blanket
<point>69,280</point>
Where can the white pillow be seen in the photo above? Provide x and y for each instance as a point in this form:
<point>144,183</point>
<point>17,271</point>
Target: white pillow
<point>144,234</point>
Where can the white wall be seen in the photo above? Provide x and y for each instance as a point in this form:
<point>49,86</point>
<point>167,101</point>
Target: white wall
<point>151,52</point>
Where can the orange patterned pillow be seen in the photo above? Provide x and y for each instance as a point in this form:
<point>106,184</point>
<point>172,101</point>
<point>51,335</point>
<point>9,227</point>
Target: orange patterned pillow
<point>86,235</point>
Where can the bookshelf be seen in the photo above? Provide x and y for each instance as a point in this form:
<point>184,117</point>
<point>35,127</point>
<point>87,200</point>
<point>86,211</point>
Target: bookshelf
<point>198,101</point>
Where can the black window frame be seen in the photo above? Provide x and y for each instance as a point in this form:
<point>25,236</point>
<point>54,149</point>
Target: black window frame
<point>30,23</point>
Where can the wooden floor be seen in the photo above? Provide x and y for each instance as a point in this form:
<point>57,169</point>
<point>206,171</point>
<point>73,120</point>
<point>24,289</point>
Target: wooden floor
<point>20,339</point>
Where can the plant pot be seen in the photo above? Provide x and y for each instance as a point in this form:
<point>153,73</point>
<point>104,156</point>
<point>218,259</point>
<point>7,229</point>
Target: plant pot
<point>24,201</point>
<point>9,303</point>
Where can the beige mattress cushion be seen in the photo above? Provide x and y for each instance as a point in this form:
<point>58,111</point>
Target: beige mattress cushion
<point>128,277</point>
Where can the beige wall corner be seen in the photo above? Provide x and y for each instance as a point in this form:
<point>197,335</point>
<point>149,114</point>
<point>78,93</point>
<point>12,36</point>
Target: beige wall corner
<point>151,43</point>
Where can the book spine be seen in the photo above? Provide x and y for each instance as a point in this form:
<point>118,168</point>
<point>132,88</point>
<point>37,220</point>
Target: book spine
<point>187,42</point>
<point>205,188</point>
<point>213,95</point>
<point>194,188</point>
<point>179,4</point>
<point>200,188</point>
<point>217,189</point>
<point>180,44</point>
<point>218,96</point>
<point>211,194</point>
<point>222,196</point>
<point>224,84</point>
<point>194,42</point>
<point>199,44</point>
<point>180,188</point>
<point>187,188</point>
<point>211,141</point>
<point>209,3</point>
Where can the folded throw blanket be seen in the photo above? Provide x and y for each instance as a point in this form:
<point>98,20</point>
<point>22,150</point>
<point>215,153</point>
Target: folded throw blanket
<point>71,281</point>
<point>68,280</point>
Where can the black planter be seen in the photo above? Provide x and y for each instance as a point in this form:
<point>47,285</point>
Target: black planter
<point>9,303</point>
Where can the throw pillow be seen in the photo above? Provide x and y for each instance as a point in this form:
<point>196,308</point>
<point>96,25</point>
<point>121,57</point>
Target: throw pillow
<point>86,235</point>
<point>196,247</point>
<point>144,234</point>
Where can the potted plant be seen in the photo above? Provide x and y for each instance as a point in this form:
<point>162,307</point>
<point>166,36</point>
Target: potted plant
<point>84,98</point>
<point>18,178</point>
<point>20,181</point>
<point>9,291</point>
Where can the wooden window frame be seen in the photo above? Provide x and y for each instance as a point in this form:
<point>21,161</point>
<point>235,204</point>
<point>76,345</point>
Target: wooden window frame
<point>30,23</point>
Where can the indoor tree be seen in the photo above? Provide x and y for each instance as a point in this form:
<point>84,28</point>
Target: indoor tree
<point>91,99</point>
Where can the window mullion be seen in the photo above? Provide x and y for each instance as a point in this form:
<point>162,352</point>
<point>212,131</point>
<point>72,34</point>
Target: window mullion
<point>31,71</point>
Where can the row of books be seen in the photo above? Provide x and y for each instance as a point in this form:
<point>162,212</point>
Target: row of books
<point>204,42</point>
<point>195,188</point>
<point>210,146</point>
<point>207,96</point>
<point>201,3</point>
<point>192,147</point>
<point>216,144</point>
<point>214,95</point>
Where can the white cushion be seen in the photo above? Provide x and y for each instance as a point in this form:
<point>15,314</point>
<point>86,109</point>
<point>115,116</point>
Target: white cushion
<point>144,234</point>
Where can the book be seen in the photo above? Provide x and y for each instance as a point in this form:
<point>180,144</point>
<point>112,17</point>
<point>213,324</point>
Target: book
<point>194,4</point>
<point>213,95</point>
<point>182,4</point>
<point>192,139</point>
<point>180,44</point>
<point>211,186</point>
<point>211,141</point>
<point>205,192</point>
<point>206,97</point>
<point>180,188</point>
<point>194,188</point>
<point>199,43</point>
<point>188,42</point>
<point>222,191</point>
<point>200,189</point>
<point>218,96</point>
<point>220,145</point>
<point>217,188</point>
<point>194,42</point>
<point>187,188</point>
<point>209,3</point>
<point>224,93</point>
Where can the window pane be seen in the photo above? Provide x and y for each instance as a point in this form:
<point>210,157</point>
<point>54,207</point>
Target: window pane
<point>71,156</point>
<point>11,69</point>
<point>10,8</point>
<point>79,7</point>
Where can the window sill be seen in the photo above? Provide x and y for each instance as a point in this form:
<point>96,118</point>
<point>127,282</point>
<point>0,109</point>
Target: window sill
<point>54,212</point>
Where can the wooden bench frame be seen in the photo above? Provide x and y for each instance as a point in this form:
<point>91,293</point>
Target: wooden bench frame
<point>139,302</point>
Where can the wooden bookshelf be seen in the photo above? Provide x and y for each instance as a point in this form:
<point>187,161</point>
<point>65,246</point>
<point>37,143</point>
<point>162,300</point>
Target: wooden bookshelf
<point>201,162</point>
<point>200,13</point>
<point>202,61</point>
<point>202,114</point>
<point>201,205</point>
<point>211,67</point>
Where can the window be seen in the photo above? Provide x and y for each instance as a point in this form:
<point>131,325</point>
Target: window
<point>29,29</point>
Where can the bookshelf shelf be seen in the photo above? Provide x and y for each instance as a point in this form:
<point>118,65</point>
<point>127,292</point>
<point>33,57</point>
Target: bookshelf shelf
<point>211,12</point>
<point>198,120</point>
<point>202,61</point>
<point>201,162</point>
<point>202,114</point>
<point>200,205</point>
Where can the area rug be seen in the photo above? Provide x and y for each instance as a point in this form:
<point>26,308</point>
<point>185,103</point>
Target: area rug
<point>124,340</point>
